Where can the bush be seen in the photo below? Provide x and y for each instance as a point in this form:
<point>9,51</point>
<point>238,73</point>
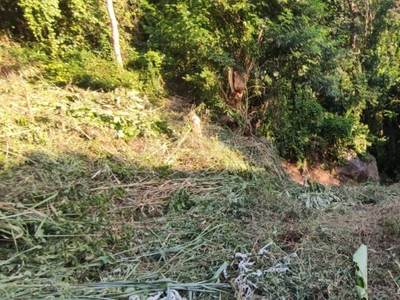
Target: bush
<point>85,70</point>
<point>303,129</point>
<point>148,66</point>
<point>204,86</point>
<point>295,125</point>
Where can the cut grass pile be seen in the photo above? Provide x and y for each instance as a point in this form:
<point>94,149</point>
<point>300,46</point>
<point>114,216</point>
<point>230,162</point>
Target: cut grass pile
<point>108,196</point>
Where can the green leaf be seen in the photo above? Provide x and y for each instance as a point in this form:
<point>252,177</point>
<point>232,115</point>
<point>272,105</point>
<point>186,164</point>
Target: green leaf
<point>360,259</point>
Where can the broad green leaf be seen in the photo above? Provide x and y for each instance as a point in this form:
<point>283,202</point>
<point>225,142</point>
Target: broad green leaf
<point>360,259</point>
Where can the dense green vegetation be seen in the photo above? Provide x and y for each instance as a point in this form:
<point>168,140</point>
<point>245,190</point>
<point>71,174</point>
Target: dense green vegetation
<point>109,189</point>
<point>322,76</point>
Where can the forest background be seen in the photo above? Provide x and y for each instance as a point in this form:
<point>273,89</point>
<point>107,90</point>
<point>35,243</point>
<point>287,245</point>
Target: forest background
<point>321,77</point>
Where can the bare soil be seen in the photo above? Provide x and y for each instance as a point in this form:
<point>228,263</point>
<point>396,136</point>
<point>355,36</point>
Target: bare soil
<point>313,174</point>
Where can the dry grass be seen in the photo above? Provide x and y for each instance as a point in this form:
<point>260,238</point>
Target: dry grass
<point>108,199</point>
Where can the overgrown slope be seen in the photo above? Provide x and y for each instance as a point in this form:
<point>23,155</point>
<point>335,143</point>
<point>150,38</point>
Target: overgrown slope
<point>108,196</point>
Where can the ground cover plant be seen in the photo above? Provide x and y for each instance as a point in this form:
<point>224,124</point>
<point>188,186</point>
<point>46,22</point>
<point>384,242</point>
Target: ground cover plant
<point>107,195</point>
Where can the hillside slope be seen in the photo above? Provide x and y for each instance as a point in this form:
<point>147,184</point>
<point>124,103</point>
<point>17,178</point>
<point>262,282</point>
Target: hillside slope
<point>108,196</point>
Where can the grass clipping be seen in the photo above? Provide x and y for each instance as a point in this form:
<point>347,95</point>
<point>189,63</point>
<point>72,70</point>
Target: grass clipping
<point>106,199</point>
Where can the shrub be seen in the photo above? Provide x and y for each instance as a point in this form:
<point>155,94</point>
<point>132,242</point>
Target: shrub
<point>148,66</point>
<point>85,70</point>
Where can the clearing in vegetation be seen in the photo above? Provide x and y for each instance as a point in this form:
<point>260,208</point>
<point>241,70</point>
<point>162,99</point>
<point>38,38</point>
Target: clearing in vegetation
<point>108,196</point>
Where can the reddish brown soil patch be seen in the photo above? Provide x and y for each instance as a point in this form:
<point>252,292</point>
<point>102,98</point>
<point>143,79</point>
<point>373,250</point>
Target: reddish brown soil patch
<point>315,174</point>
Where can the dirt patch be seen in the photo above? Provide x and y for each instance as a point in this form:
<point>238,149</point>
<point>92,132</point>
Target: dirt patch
<point>314,174</point>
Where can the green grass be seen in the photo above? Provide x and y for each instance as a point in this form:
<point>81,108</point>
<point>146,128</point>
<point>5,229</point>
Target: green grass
<point>109,196</point>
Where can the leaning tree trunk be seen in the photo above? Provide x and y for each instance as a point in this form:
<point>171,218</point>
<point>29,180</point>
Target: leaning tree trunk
<point>114,32</point>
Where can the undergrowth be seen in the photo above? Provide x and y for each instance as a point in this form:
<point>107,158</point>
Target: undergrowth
<point>110,196</point>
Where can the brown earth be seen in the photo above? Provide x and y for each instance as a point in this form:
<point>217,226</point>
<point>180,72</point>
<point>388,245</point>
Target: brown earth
<point>314,174</point>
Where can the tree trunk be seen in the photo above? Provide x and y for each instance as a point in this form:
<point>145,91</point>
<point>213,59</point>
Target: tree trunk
<point>230,79</point>
<point>353,35</point>
<point>114,32</point>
